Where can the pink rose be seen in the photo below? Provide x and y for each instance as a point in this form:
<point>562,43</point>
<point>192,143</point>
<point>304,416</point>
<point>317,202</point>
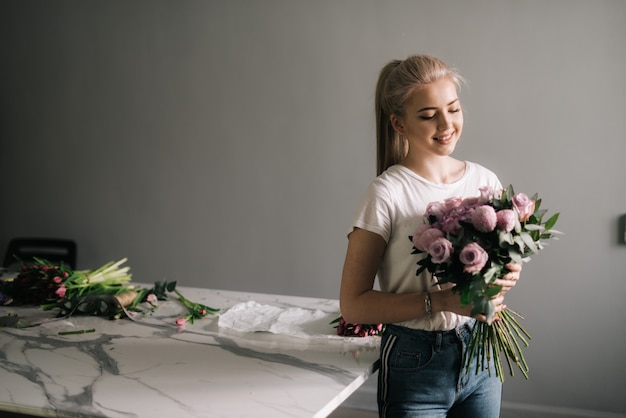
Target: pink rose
<point>57,279</point>
<point>470,202</point>
<point>506,220</point>
<point>452,202</point>
<point>423,237</point>
<point>60,292</point>
<point>474,257</point>
<point>484,218</point>
<point>486,194</point>
<point>181,321</point>
<point>524,206</point>
<point>440,250</point>
<point>436,209</point>
<point>451,225</point>
<point>152,299</point>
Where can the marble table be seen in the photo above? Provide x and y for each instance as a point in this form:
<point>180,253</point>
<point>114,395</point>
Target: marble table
<point>149,368</point>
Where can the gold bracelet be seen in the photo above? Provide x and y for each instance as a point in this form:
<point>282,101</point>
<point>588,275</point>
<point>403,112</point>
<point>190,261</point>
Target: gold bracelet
<point>428,304</point>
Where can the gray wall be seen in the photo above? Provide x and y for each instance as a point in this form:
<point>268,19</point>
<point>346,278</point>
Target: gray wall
<point>227,144</point>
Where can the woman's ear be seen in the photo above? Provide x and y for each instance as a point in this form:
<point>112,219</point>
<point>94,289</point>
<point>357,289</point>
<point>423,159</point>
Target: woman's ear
<point>397,124</point>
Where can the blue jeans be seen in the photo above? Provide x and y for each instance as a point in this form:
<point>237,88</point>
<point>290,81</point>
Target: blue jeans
<point>421,375</point>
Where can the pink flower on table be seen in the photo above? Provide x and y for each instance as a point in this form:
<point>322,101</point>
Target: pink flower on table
<point>203,312</point>
<point>60,292</point>
<point>484,218</point>
<point>181,321</point>
<point>506,220</point>
<point>152,299</point>
<point>524,206</point>
<point>440,250</point>
<point>424,237</point>
<point>57,279</point>
<point>474,257</point>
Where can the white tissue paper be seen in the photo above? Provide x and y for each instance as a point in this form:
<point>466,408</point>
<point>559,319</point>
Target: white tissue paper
<point>252,316</point>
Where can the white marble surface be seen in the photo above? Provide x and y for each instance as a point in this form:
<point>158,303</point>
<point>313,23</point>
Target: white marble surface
<point>148,369</point>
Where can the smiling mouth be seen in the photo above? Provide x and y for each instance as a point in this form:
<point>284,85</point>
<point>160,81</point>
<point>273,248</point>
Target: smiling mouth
<point>444,138</point>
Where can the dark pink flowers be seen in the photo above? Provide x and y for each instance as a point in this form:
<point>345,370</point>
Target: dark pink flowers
<point>484,218</point>
<point>524,206</point>
<point>348,329</point>
<point>470,243</point>
<point>474,257</point>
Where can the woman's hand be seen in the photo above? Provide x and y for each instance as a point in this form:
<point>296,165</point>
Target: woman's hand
<point>510,279</point>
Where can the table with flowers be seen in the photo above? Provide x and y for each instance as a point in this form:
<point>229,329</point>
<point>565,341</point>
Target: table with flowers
<point>90,366</point>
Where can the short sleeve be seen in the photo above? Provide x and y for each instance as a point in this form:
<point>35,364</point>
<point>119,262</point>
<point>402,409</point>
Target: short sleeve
<point>374,214</point>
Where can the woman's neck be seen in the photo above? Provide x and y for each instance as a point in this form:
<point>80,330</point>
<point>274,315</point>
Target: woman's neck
<point>444,170</point>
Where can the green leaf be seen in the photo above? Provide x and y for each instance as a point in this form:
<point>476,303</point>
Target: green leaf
<point>534,227</point>
<point>552,221</point>
<point>492,291</point>
<point>171,286</point>
<point>491,274</point>
<point>530,243</point>
<point>520,242</point>
<point>505,238</point>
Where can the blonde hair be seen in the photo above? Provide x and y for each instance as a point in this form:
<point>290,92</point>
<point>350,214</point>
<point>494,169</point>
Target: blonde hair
<point>397,81</point>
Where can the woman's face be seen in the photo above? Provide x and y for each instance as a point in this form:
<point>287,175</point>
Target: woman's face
<point>433,120</point>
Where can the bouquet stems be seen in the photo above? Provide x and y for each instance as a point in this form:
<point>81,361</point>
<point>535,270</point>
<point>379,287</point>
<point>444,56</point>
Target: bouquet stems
<point>488,342</point>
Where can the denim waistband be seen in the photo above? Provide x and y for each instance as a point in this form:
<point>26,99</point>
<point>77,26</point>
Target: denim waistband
<point>423,335</point>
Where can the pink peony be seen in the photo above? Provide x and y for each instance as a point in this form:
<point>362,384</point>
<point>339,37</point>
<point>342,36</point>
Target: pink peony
<point>423,240</point>
<point>181,321</point>
<point>440,250</point>
<point>506,220</point>
<point>484,218</point>
<point>524,206</point>
<point>474,257</point>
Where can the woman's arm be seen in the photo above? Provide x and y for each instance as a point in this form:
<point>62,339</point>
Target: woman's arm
<point>360,303</point>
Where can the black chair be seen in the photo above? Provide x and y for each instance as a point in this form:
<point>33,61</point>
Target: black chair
<point>55,250</point>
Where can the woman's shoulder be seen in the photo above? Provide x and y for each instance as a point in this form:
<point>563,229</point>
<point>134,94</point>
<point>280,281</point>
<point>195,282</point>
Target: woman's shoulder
<point>476,171</point>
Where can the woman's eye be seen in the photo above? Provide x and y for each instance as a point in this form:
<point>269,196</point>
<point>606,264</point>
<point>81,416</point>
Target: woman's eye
<point>455,110</point>
<point>427,117</point>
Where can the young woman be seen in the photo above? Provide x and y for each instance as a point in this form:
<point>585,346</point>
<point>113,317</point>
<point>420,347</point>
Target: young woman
<point>419,122</point>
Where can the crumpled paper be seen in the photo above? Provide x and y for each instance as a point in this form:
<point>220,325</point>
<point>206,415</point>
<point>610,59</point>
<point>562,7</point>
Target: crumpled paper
<point>252,316</point>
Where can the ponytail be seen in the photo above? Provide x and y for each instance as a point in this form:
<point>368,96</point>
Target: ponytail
<point>390,147</point>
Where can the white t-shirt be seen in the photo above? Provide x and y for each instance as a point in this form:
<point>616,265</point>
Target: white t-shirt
<point>393,208</point>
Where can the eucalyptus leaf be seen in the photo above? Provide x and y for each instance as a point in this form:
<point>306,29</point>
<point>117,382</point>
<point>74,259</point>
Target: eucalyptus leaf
<point>530,243</point>
<point>551,221</point>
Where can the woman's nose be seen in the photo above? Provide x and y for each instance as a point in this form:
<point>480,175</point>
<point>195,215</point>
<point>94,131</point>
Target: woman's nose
<point>444,122</point>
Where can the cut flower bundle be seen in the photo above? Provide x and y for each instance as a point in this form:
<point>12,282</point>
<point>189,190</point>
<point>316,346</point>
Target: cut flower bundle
<point>105,291</point>
<point>468,242</point>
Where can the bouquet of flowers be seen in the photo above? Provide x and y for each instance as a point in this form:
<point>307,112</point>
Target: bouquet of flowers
<point>105,291</point>
<point>468,242</point>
